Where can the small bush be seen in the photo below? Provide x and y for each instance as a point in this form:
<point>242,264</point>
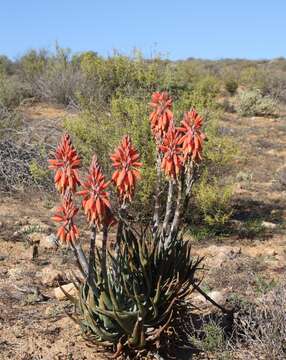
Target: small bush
<point>6,65</point>
<point>231,85</point>
<point>12,91</point>
<point>254,78</point>
<point>38,172</point>
<point>261,328</point>
<point>252,103</point>
<point>214,201</point>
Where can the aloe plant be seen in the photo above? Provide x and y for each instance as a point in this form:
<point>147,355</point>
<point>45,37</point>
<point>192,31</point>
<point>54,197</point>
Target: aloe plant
<point>127,294</point>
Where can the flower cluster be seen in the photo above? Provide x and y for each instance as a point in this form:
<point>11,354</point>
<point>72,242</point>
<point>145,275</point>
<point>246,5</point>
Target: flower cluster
<point>192,137</point>
<point>172,161</point>
<point>68,231</point>
<point>95,201</point>
<point>175,144</point>
<point>65,164</point>
<point>126,164</point>
<point>161,117</point>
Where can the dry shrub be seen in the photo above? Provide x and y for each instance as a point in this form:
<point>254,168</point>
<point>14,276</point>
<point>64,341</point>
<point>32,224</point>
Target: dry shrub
<point>252,103</point>
<point>261,328</point>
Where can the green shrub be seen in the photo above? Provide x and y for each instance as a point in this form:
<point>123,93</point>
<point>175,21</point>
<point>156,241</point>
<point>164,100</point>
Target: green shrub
<point>214,201</point>
<point>33,64</point>
<point>231,85</point>
<point>254,78</point>
<point>252,103</point>
<point>101,132</point>
<point>12,91</point>
<point>6,65</point>
<point>106,78</point>
<point>38,172</point>
<point>204,94</point>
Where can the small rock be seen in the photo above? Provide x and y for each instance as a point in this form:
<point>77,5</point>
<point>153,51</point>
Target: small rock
<point>218,296</point>
<point>69,288</point>
<point>16,235</point>
<point>268,225</point>
<point>50,276</point>
<point>3,257</point>
<point>49,242</point>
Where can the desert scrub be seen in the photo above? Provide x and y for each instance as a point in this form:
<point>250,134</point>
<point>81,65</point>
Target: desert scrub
<point>260,327</point>
<point>127,294</point>
<point>38,172</point>
<point>12,91</point>
<point>231,85</point>
<point>253,103</point>
<point>128,76</point>
<point>214,200</point>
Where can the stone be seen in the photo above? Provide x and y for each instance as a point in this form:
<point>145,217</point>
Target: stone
<point>268,225</point>
<point>69,288</point>
<point>218,296</point>
<point>50,276</point>
<point>49,242</point>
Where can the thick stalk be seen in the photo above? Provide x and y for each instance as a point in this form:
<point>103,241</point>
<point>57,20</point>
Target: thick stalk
<point>91,261</point>
<point>157,194</point>
<point>190,179</point>
<point>122,214</point>
<point>81,258</point>
<point>104,252</point>
<point>168,211</point>
<point>178,213</point>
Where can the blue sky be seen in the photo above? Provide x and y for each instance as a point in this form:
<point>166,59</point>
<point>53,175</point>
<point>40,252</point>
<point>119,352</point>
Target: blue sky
<point>179,28</point>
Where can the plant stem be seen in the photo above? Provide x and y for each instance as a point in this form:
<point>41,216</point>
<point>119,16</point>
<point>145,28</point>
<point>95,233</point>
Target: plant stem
<point>80,255</point>
<point>178,212</point>
<point>91,261</point>
<point>168,212</point>
<point>104,251</point>
<point>157,193</point>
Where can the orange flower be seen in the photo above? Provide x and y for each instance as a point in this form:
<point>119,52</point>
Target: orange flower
<point>125,161</point>
<point>95,199</point>
<point>172,161</point>
<point>192,137</point>
<point>68,231</point>
<point>162,117</point>
<point>65,164</point>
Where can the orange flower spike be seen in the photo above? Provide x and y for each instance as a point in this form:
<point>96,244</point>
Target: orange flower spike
<point>172,161</point>
<point>126,163</point>
<point>68,231</point>
<point>95,201</point>
<point>65,164</point>
<point>162,116</point>
<point>192,137</point>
